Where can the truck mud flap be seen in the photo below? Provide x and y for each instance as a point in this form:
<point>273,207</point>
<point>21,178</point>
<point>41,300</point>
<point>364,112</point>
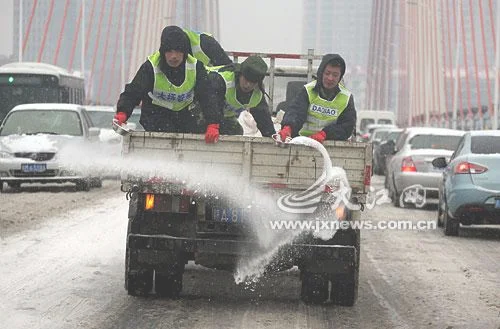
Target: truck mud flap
<point>159,249</point>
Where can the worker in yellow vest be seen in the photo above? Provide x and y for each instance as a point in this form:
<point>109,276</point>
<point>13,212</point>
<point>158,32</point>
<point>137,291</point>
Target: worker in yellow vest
<point>239,88</point>
<point>324,109</point>
<point>204,47</point>
<point>167,85</point>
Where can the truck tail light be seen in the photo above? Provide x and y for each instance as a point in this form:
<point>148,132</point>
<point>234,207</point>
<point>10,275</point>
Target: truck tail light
<point>150,202</point>
<point>465,167</point>
<point>167,203</point>
<point>407,165</point>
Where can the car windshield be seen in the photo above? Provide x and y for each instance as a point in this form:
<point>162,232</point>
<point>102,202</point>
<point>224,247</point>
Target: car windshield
<point>30,122</point>
<point>364,123</point>
<point>434,142</point>
<point>102,119</point>
<point>485,144</point>
<point>380,135</point>
<point>393,135</point>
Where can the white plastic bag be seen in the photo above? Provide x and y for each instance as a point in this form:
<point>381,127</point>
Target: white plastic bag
<point>249,125</point>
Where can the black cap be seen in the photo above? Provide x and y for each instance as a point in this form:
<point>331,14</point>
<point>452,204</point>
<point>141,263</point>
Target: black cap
<point>254,69</point>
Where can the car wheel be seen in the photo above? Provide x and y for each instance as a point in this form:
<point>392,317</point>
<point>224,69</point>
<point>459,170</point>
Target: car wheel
<point>440,215</point>
<point>1,186</point>
<point>96,182</point>
<point>451,225</point>
<point>14,185</point>
<point>83,185</point>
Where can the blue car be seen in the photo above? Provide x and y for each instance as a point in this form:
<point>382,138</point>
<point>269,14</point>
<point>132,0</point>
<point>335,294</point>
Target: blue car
<point>470,190</point>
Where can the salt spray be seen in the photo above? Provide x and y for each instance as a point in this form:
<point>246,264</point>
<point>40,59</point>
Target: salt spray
<point>215,183</point>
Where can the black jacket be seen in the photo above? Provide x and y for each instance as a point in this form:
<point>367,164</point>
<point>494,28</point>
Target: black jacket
<point>156,118</point>
<point>296,113</point>
<point>260,113</point>
<point>213,50</point>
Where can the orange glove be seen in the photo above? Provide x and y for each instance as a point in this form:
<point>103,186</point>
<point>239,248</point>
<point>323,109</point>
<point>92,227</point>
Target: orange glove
<point>121,117</point>
<point>285,132</point>
<point>320,136</point>
<point>212,133</point>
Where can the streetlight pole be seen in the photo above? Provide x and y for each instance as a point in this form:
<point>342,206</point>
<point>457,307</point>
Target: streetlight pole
<point>20,36</point>
<point>82,53</point>
<point>457,76</point>
<point>497,70</point>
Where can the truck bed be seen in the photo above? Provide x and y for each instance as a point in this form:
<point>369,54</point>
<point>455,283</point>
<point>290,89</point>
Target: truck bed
<point>256,159</point>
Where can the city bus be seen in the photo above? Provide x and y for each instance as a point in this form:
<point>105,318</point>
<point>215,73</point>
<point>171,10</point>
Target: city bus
<point>28,82</point>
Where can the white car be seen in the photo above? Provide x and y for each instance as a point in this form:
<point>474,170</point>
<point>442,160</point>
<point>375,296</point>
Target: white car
<point>32,138</point>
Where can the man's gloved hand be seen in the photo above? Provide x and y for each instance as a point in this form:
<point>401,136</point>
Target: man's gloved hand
<point>212,133</point>
<point>320,136</point>
<point>121,117</point>
<point>285,132</point>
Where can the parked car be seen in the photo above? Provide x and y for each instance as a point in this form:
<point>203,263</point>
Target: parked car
<point>367,134</point>
<point>411,162</point>
<point>31,137</point>
<point>102,117</point>
<point>383,144</point>
<point>470,188</point>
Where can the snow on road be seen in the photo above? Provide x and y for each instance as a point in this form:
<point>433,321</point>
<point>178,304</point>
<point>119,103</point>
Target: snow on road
<point>49,275</point>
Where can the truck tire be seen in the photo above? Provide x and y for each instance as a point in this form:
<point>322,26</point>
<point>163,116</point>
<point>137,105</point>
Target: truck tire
<point>139,283</point>
<point>168,285</point>
<point>314,288</point>
<point>345,289</point>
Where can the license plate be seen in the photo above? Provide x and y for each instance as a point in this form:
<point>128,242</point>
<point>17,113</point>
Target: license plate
<point>227,215</point>
<point>33,167</point>
<point>497,203</point>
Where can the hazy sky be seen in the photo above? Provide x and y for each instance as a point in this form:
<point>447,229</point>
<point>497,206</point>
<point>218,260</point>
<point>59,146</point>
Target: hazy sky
<point>256,25</point>
<point>261,25</point>
<point>6,25</point>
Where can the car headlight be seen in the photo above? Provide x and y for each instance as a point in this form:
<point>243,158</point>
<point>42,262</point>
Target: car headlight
<point>5,155</point>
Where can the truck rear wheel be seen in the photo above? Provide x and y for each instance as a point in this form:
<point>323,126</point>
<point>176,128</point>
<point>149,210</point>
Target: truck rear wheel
<point>168,285</point>
<point>139,283</point>
<point>345,289</point>
<point>314,288</point>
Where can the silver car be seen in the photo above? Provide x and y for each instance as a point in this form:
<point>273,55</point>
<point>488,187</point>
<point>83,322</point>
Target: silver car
<point>410,168</point>
<point>31,138</point>
<point>470,187</point>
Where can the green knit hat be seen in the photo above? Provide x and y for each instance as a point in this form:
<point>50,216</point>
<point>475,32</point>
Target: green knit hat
<point>254,68</point>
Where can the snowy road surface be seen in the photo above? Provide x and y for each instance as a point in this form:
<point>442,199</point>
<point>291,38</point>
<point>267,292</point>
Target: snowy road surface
<point>61,266</point>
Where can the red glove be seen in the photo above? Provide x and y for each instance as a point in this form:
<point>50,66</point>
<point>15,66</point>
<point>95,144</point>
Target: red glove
<point>212,133</point>
<point>285,132</point>
<point>320,136</point>
<point>121,117</point>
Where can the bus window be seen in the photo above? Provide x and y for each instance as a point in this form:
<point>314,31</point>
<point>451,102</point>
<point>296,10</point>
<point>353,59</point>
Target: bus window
<point>64,95</point>
<point>22,83</point>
